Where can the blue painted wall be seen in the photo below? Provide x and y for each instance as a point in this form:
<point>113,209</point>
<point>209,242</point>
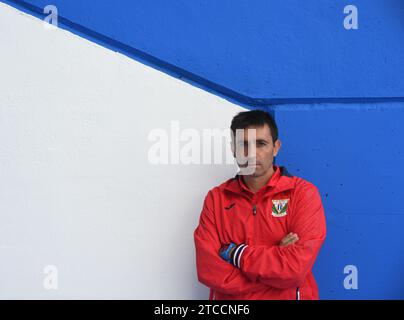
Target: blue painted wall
<point>270,51</point>
<point>354,153</point>
<point>338,96</point>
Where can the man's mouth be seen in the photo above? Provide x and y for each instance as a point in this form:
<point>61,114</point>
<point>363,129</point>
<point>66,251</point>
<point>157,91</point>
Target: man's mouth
<point>250,165</point>
<point>253,165</point>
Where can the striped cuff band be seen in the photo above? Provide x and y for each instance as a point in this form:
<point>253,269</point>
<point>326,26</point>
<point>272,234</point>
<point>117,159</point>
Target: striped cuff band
<point>237,253</point>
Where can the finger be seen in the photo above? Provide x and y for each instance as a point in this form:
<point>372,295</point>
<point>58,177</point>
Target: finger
<point>288,240</point>
<point>289,237</point>
<point>293,240</point>
<point>285,240</point>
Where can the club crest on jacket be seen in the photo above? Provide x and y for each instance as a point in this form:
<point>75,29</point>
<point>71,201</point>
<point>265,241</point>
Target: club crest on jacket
<point>279,207</point>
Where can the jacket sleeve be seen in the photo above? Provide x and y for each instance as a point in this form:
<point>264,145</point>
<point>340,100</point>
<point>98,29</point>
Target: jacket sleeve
<point>286,267</point>
<point>212,270</point>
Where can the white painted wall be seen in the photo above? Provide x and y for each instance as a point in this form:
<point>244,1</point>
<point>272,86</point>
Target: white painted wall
<point>76,188</point>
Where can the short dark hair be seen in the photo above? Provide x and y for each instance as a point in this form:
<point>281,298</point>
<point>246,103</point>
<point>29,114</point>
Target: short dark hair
<point>257,118</point>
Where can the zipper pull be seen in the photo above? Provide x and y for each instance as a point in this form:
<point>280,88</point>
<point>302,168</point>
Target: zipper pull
<point>254,209</point>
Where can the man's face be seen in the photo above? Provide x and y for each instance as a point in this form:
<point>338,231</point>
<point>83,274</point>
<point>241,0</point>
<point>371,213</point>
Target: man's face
<point>255,145</point>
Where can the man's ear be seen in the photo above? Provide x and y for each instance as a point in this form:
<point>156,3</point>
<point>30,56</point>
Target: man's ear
<point>277,146</point>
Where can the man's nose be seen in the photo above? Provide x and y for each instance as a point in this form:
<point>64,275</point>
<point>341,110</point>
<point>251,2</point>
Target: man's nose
<point>252,151</point>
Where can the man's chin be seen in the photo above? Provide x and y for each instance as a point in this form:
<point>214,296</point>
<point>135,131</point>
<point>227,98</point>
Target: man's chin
<point>254,171</point>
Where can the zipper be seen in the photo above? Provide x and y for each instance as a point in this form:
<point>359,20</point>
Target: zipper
<point>297,293</point>
<point>255,222</point>
<point>213,295</point>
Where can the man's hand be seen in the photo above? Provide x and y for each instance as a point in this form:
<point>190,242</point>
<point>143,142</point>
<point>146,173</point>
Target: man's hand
<point>291,238</point>
<point>226,251</point>
<point>232,253</point>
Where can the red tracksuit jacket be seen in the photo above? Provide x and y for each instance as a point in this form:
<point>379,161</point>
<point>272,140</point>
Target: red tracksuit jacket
<point>232,213</point>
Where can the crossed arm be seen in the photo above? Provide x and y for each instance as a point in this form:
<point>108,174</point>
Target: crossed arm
<point>281,266</point>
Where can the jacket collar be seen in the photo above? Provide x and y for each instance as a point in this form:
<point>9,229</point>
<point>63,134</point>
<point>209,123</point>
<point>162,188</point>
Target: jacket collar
<point>280,181</point>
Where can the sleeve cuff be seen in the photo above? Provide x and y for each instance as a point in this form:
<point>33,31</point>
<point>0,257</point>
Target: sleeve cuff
<point>237,254</point>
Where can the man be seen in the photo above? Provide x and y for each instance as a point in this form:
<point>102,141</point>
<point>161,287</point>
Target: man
<point>259,233</point>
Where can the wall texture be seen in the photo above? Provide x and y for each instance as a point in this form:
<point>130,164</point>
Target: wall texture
<point>337,94</point>
<point>77,190</point>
